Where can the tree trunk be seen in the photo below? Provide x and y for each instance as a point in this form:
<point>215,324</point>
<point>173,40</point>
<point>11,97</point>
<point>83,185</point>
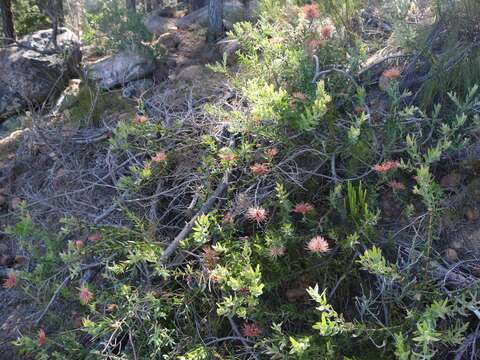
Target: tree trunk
<point>215,20</point>
<point>131,6</point>
<point>7,21</point>
<point>60,13</point>
<point>148,6</point>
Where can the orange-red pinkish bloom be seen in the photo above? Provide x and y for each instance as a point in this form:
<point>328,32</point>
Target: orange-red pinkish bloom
<point>227,156</point>
<point>259,169</point>
<point>79,244</point>
<point>359,109</point>
<point>257,214</point>
<point>326,32</point>
<point>396,185</point>
<point>386,166</point>
<point>251,330</point>
<point>140,119</point>
<point>303,208</point>
<point>311,12</point>
<point>159,157</point>
<point>95,237</point>
<point>271,153</point>
<point>318,244</point>
<point>112,307</point>
<point>392,73</point>
<point>41,337</point>
<point>276,251</point>
<point>314,44</point>
<point>228,218</point>
<point>11,280</point>
<point>85,295</point>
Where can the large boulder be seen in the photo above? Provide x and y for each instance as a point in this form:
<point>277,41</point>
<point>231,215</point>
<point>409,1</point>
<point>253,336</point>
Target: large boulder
<point>31,71</point>
<point>233,12</point>
<point>129,64</point>
<point>159,24</point>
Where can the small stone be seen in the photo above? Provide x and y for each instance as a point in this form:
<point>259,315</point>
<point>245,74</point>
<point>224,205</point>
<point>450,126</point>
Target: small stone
<point>450,181</point>
<point>472,214</point>
<point>451,254</point>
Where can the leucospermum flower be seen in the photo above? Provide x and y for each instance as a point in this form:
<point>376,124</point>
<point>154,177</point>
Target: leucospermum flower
<point>259,169</point>
<point>112,307</point>
<point>228,218</point>
<point>276,251</point>
<point>159,157</point>
<point>95,237</point>
<point>85,295</point>
<point>392,73</point>
<point>311,12</point>
<point>11,280</point>
<point>251,330</point>
<point>79,244</point>
<point>319,245</point>
<point>257,214</point>
<point>140,119</point>
<point>303,208</point>
<point>41,337</point>
<point>271,153</point>
<point>386,166</point>
<point>326,32</point>
<point>396,185</point>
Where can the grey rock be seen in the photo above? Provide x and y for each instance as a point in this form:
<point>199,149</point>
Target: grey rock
<point>233,12</point>
<point>136,88</point>
<point>158,24</point>
<point>31,71</point>
<point>129,64</point>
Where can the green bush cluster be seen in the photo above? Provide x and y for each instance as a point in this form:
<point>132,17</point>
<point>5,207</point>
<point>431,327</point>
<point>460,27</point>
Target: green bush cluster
<point>299,260</point>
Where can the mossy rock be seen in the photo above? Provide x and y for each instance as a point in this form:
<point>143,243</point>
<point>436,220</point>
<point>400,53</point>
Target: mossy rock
<point>103,104</point>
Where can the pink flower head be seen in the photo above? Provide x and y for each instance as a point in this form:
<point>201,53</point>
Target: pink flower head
<point>95,237</point>
<point>311,12</point>
<point>396,185</point>
<point>303,208</point>
<point>112,307</point>
<point>259,169</point>
<point>326,32</point>
<point>41,337</point>
<point>276,251</point>
<point>271,153</point>
<point>251,330</point>
<point>159,157</point>
<point>386,166</point>
<point>85,295</point>
<point>318,244</point>
<point>257,214</point>
<point>11,280</point>
<point>392,73</point>
<point>228,157</point>
<point>228,218</point>
<point>140,119</point>
<point>79,244</point>
<point>314,44</point>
